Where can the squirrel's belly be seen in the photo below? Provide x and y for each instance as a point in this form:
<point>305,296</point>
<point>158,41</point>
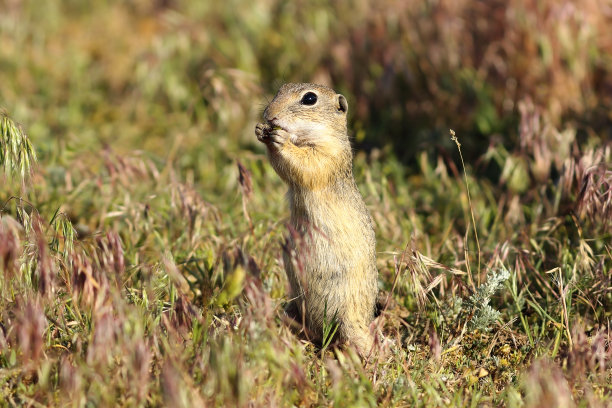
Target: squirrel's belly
<point>334,256</point>
<point>333,259</point>
<point>334,280</point>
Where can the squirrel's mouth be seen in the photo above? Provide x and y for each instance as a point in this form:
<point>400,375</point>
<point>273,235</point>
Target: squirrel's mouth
<point>274,125</point>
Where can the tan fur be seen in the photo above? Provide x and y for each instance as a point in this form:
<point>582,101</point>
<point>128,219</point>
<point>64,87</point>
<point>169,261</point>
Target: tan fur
<point>332,258</point>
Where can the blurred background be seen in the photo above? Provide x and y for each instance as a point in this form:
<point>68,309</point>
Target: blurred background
<point>186,76</point>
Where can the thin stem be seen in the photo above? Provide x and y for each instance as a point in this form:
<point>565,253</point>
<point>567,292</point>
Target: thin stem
<point>467,187</point>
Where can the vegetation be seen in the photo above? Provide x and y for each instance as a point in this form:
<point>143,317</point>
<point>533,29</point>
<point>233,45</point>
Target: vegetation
<point>141,225</point>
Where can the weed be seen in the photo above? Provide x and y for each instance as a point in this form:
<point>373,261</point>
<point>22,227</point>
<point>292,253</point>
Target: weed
<point>483,315</point>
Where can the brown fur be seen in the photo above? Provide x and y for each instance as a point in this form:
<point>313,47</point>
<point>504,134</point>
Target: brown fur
<point>331,261</point>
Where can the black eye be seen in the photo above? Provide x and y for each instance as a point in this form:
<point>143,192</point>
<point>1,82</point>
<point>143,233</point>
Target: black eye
<point>310,98</point>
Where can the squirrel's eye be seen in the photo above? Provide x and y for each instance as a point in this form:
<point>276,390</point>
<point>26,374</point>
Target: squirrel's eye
<point>310,98</point>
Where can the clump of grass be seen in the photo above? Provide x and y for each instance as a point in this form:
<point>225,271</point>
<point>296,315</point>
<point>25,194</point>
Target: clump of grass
<point>330,327</point>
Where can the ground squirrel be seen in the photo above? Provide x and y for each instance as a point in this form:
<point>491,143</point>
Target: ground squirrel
<point>331,257</point>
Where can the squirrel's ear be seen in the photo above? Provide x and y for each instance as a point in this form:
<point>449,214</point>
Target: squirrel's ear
<point>342,104</point>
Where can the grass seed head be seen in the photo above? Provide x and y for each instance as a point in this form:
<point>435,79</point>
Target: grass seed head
<point>10,246</point>
<point>29,329</point>
<point>46,267</point>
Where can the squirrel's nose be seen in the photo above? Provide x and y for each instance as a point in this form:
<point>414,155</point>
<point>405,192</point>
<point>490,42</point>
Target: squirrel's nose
<point>266,115</point>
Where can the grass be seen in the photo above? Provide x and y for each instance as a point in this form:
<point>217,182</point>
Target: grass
<point>141,225</point>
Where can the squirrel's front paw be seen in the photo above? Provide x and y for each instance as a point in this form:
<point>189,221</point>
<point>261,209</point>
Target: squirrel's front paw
<point>271,136</point>
<point>279,136</point>
<point>262,131</point>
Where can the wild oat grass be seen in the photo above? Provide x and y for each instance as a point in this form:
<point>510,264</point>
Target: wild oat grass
<point>141,257</point>
<point>16,152</point>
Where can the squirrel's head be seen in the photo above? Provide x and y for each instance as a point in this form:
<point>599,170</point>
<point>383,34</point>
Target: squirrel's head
<point>308,112</point>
